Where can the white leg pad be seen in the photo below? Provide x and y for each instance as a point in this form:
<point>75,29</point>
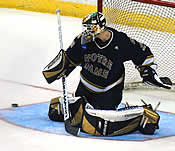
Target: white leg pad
<point>114,115</point>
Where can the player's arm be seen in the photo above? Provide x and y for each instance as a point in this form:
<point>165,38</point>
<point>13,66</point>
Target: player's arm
<point>142,57</point>
<point>62,64</point>
<point>144,61</point>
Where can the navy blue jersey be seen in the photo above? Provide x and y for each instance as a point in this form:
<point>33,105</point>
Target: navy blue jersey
<point>103,66</point>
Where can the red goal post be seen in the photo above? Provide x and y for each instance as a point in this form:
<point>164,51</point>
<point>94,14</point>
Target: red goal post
<point>156,2</point>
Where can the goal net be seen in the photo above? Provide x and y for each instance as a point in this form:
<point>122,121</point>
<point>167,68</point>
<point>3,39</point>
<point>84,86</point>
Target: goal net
<point>151,22</point>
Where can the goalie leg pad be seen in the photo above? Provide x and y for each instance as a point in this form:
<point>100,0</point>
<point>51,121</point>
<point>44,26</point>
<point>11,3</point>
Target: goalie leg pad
<point>92,124</point>
<point>111,122</point>
<point>106,122</point>
<point>99,127</point>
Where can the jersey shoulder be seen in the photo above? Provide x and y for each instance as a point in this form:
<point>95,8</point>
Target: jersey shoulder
<point>76,41</point>
<point>118,35</point>
<point>116,32</point>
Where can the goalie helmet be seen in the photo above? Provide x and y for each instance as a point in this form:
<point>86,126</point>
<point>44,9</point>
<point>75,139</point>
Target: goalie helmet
<point>93,24</point>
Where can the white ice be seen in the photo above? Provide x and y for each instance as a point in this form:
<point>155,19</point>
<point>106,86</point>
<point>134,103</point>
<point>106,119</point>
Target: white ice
<point>28,42</point>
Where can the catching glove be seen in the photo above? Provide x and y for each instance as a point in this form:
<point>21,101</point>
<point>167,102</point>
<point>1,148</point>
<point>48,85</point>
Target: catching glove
<point>149,75</point>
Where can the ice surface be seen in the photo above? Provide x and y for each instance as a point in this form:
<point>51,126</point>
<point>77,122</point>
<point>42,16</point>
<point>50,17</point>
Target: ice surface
<point>28,42</point>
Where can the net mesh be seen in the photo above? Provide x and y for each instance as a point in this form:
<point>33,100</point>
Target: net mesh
<point>153,25</point>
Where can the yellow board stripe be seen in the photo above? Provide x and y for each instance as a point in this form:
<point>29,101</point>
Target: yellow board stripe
<point>123,17</point>
<point>139,20</point>
<point>50,6</point>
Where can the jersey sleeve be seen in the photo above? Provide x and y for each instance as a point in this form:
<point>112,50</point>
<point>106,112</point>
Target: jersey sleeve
<point>74,51</point>
<point>139,53</point>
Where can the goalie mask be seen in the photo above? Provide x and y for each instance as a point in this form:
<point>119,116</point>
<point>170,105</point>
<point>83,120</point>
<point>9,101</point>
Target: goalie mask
<point>93,24</point>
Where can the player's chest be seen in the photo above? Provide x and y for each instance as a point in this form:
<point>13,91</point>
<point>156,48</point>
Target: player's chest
<point>95,53</point>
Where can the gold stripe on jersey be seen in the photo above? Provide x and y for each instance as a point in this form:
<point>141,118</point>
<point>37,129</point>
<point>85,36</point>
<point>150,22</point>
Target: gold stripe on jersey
<point>148,61</point>
<point>151,56</point>
<point>96,88</point>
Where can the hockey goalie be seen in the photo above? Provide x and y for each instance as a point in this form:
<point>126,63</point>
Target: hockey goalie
<point>101,52</point>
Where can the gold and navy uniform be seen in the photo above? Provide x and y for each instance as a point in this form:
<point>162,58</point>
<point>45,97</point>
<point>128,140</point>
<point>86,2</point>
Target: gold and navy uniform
<point>103,72</point>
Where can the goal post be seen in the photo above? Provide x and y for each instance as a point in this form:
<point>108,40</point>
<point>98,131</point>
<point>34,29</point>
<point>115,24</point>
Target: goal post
<point>170,3</point>
<point>151,22</point>
<point>99,5</point>
<point>158,2</point>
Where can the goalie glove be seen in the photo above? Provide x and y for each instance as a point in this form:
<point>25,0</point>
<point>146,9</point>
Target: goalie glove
<point>150,77</point>
<point>58,67</point>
